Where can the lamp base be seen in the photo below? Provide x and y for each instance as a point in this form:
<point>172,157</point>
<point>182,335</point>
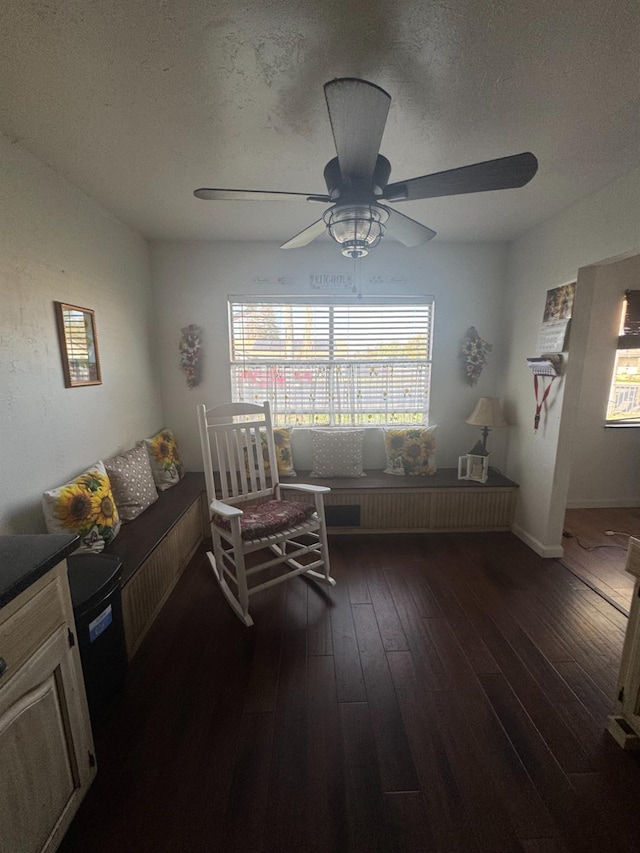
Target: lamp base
<point>479,449</point>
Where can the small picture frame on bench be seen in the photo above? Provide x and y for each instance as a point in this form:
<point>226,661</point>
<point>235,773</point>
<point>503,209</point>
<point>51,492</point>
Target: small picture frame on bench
<point>473,467</point>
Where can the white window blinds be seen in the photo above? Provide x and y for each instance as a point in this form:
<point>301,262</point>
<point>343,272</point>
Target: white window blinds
<point>333,362</point>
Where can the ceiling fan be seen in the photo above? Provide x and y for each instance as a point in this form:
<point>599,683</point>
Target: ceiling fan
<point>358,178</point>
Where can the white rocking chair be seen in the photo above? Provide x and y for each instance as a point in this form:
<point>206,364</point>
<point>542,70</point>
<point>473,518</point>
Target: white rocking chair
<point>249,516</point>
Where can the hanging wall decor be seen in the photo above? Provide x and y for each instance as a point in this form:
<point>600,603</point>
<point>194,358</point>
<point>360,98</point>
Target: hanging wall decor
<point>191,353</point>
<point>474,355</point>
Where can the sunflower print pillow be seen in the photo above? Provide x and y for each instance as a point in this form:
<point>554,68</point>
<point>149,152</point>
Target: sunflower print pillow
<point>410,450</point>
<point>165,459</point>
<point>284,454</point>
<point>84,506</point>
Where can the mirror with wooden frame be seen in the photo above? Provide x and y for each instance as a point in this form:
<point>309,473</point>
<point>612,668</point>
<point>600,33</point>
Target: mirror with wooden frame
<point>78,345</point>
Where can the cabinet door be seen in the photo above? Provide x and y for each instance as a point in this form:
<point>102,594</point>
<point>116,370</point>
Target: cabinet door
<point>44,760</point>
<point>630,667</point>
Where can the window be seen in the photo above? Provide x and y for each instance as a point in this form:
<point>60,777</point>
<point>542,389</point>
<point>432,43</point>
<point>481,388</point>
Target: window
<point>333,362</point>
<point>623,408</point>
<point>624,397</point>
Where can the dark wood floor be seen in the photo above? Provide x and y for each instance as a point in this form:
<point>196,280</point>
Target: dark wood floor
<point>449,694</point>
<point>598,558</point>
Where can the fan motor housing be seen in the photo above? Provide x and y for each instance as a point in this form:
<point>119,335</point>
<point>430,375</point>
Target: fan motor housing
<point>336,188</point>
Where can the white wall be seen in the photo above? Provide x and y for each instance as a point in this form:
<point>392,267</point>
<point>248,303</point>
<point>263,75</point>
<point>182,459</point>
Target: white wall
<point>605,466</point>
<point>602,226</point>
<point>192,281</point>
<point>58,245</point>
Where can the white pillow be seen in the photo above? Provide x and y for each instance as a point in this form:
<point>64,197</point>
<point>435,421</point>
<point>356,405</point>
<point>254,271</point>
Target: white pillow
<point>337,453</point>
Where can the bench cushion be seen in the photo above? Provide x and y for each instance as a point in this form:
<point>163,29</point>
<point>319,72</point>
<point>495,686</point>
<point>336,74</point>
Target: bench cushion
<point>444,478</point>
<point>138,539</point>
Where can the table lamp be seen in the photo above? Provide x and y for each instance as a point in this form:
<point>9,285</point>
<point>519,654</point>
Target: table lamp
<point>487,414</point>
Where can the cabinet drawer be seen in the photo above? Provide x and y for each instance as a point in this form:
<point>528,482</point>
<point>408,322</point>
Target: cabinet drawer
<point>30,625</point>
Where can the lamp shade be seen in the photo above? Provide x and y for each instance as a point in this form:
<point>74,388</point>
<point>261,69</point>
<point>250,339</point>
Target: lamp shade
<point>487,413</point>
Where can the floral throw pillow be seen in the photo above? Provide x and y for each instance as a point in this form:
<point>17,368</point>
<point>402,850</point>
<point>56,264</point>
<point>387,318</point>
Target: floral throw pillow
<point>410,450</point>
<point>284,454</point>
<point>85,506</point>
<point>165,459</point>
<point>132,482</point>
<point>337,453</point>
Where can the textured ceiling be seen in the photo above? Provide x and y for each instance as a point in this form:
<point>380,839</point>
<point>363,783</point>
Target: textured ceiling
<point>138,102</point>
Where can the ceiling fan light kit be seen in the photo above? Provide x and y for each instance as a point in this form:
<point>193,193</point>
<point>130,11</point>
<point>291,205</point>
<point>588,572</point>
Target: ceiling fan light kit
<point>358,178</point>
<point>357,229</point>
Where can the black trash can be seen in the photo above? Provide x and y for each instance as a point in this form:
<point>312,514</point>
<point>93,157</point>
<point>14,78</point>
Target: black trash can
<point>94,581</point>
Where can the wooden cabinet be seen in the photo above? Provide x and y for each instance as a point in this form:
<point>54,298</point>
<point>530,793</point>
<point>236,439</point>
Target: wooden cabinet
<point>624,721</point>
<point>147,590</point>
<point>46,749</point>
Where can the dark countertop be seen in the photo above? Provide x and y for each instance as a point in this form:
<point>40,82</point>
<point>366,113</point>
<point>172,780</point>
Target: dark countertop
<point>24,559</point>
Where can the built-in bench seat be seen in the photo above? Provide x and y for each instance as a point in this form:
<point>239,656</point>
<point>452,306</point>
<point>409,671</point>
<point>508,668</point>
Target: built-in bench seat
<point>388,503</point>
<point>154,549</point>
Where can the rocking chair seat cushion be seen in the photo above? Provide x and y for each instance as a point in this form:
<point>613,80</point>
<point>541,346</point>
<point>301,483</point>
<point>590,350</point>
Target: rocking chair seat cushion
<point>268,518</point>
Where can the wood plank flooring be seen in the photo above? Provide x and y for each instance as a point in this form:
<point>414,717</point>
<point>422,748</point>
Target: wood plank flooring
<point>597,558</point>
<point>450,694</point>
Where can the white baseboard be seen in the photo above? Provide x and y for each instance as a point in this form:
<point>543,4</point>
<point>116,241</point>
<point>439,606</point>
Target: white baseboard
<point>607,503</point>
<point>540,549</point>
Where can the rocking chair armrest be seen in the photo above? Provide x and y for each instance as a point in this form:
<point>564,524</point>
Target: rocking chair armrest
<point>224,509</point>
<point>305,487</point>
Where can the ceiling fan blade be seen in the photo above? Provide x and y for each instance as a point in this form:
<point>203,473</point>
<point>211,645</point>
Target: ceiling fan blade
<point>501,174</point>
<point>358,113</point>
<point>406,230</point>
<point>209,194</point>
<point>304,237</point>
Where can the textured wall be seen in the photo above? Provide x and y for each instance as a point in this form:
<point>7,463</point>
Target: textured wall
<point>467,281</point>
<point>59,245</point>
<point>602,226</point>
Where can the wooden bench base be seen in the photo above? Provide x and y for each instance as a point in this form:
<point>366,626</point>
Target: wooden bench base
<point>155,548</point>
<point>385,503</point>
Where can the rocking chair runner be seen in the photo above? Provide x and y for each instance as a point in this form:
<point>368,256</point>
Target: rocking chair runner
<point>250,516</point>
